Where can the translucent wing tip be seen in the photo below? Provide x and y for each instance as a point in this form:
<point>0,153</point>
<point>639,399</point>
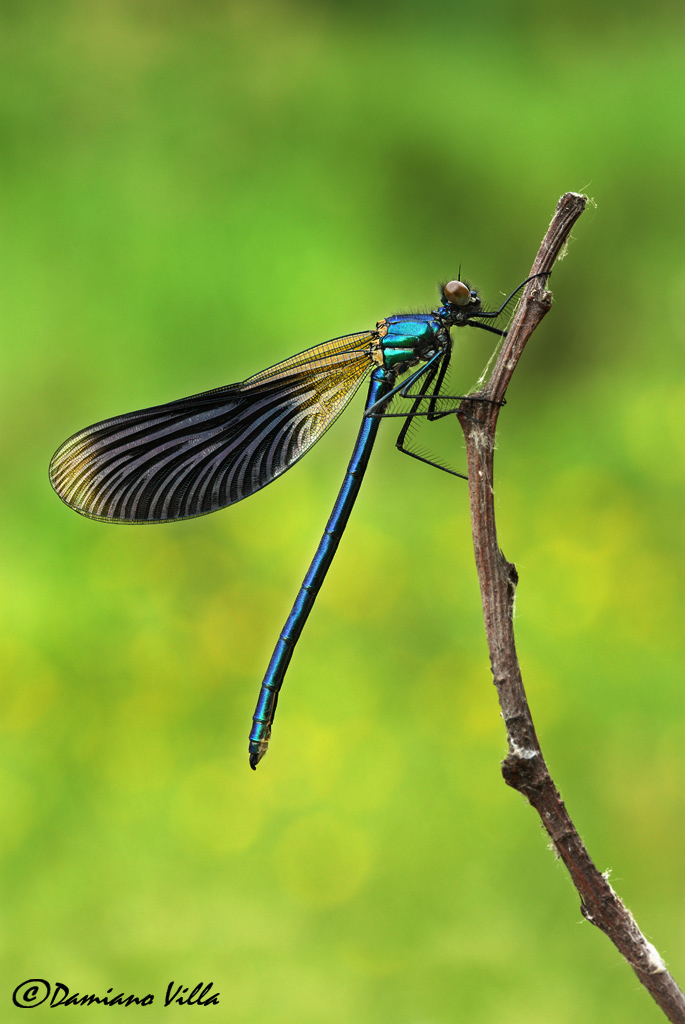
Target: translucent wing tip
<point>70,477</point>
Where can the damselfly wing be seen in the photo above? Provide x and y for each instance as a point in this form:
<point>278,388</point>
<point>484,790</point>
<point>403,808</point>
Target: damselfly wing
<point>199,454</point>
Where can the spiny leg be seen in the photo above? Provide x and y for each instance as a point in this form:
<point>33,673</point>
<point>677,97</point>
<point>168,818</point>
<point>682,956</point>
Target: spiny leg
<point>498,312</point>
<point>377,409</point>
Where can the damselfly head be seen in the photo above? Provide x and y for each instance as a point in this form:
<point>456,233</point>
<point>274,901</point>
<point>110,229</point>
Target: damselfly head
<point>458,294</point>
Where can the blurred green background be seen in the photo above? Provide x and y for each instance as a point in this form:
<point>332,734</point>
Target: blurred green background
<point>190,192</point>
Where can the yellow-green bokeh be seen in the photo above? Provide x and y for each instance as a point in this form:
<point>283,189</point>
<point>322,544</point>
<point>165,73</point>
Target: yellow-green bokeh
<point>190,191</point>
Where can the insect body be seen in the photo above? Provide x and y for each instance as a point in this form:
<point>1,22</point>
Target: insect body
<point>203,453</point>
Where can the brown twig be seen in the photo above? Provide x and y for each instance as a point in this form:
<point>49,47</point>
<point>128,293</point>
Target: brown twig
<point>524,767</point>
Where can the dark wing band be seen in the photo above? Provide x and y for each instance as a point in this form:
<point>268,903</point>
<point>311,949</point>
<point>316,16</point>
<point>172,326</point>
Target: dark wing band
<point>202,453</point>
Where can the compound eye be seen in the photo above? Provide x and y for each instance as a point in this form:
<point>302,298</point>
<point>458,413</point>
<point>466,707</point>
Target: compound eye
<point>457,293</point>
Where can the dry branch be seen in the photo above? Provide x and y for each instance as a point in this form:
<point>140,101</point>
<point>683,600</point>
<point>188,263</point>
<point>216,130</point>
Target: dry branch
<point>524,768</point>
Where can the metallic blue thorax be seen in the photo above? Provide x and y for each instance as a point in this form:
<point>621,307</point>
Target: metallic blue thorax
<point>409,336</point>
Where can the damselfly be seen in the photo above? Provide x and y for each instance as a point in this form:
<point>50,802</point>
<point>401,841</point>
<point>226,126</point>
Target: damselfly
<point>199,454</point>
